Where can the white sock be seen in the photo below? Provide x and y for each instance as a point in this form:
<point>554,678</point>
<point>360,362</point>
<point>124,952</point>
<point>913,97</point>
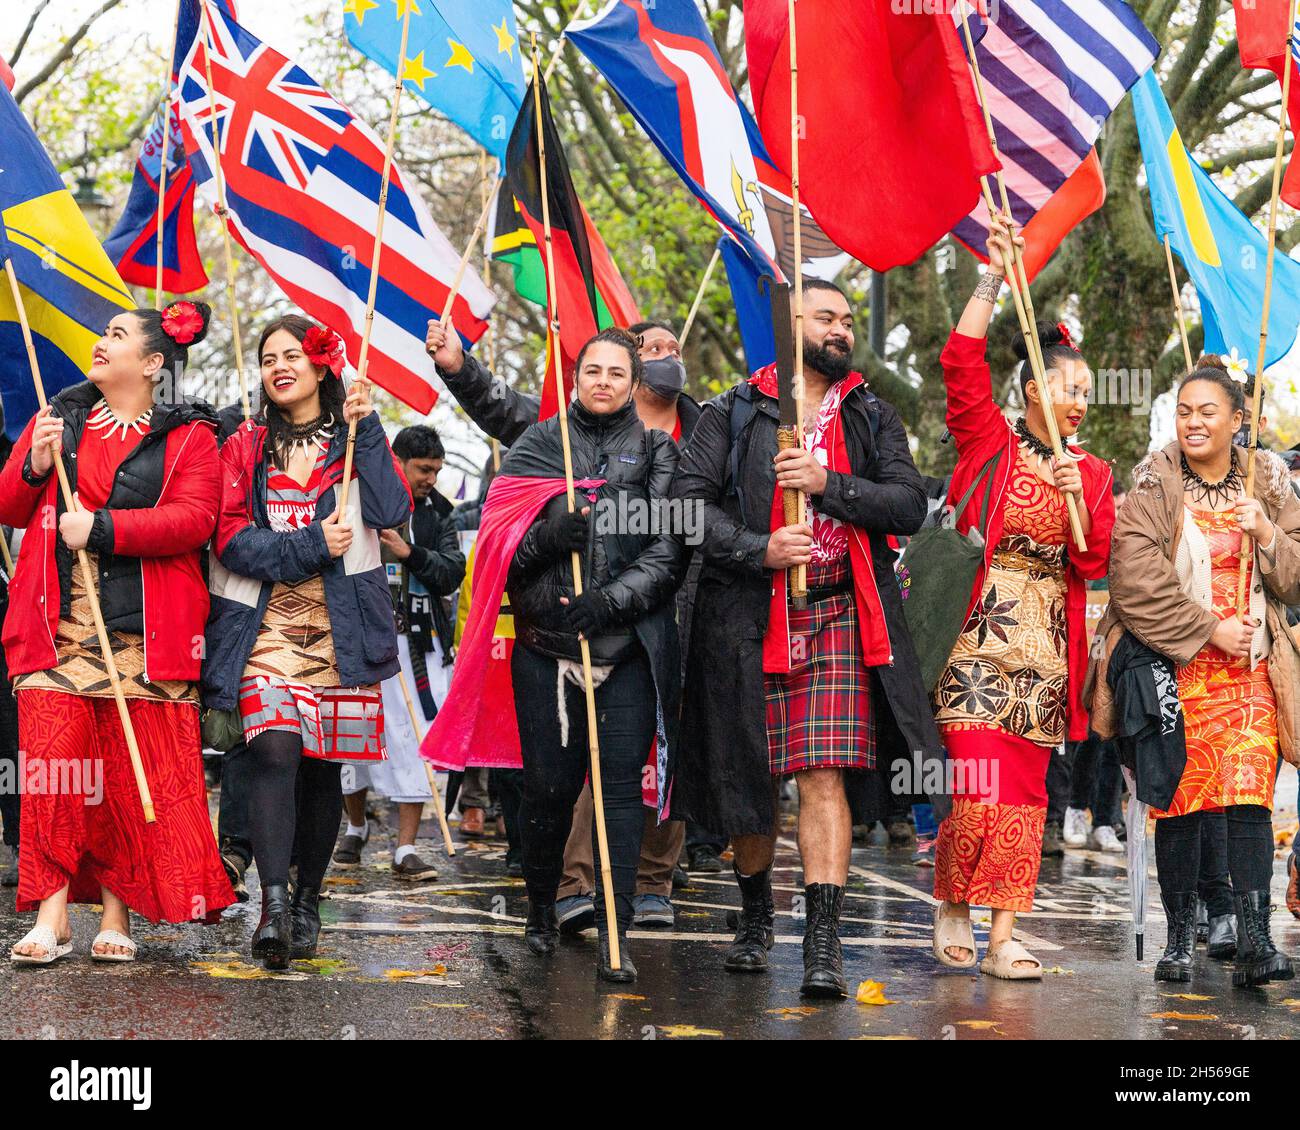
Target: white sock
<point>363,832</point>
<point>402,852</point>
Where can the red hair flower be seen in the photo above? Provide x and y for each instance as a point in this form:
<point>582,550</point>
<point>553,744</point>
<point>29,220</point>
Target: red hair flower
<point>324,347</point>
<point>1066,339</point>
<point>182,322</point>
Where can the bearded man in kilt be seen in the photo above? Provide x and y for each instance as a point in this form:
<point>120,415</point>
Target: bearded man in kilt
<point>820,693</point>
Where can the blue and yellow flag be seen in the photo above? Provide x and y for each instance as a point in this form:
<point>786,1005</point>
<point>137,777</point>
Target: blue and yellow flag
<point>69,286</point>
<point>1224,253</point>
<point>462,57</point>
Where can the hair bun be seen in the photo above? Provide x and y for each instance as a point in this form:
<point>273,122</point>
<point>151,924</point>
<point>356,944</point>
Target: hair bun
<point>205,312</point>
<point>1211,361</point>
<point>1049,335</point>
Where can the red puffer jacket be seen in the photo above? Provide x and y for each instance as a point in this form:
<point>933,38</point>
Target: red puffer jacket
<point>165,536</point>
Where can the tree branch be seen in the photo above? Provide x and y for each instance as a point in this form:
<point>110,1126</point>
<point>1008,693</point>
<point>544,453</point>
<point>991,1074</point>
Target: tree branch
<point>27,31</point>
<point>64,53</point>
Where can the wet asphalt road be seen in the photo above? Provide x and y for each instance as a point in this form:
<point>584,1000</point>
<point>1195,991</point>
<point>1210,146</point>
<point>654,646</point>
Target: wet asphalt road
<point>447,960</point>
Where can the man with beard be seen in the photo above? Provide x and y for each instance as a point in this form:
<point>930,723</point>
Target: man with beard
<point>812,693</point>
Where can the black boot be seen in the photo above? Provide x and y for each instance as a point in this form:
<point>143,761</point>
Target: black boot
<point>274,934</point>
<point>1202,923</point>
<point>542,930</point>
<point>823,962</point>
<point>1258,959</point>
<point>625,974</point>
<point>1180,913</point>
<point>306,921</point>
<point>1222,941</point>
<point>754,926</point>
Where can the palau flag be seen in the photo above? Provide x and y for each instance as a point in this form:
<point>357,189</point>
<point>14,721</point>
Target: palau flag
<point>70,288</point>
<point>462,57</point>
<point>1224,253</point>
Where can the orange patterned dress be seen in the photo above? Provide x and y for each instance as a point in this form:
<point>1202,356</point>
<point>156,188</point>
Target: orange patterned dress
<point>1001,706</point>
<point>1229,710</point>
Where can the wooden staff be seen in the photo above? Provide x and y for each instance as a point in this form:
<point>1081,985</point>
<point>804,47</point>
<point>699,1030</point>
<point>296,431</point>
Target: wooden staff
<point>1243,595</point>
<point>799,574</point>
<point>459,277</point>
<point>555,58</point>
<point>428,768</point>
<point>166,153</point>
<point>363,359</point>
<point>699,297</point>
<point>553,351</point>
<point>1178,304</point>
<point>1019,281</point>
<point>4,551</point>
<point>208,38</point>
<point>71,504</point>
<point>490,339</point>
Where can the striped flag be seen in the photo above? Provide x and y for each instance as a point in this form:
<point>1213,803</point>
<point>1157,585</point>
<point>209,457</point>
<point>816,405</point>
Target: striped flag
<point>302,177</point>
<point>1052,71</point>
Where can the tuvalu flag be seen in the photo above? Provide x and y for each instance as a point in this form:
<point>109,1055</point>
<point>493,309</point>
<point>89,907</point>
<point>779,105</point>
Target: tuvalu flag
<point>584,271</point>
<point>69,287</point>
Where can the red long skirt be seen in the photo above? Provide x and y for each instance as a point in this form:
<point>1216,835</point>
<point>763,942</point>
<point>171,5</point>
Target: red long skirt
<point>82,822</point>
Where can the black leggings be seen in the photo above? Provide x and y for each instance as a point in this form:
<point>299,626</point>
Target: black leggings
<point>1249,848</point>
<point>554,772</point>
<point>294,806</point>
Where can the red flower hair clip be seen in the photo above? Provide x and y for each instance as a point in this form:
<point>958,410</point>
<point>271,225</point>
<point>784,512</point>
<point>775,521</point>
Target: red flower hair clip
<point>182,322</point>
<point>324,347</point>
<point>1066,339</point>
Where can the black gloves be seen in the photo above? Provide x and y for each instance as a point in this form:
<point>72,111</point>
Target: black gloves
<point>565,534</point>
<point>589,613</point>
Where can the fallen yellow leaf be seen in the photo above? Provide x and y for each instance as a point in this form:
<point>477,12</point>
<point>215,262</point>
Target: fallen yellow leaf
<point>887,1037</point>
<point>1182,1016</point>
<point>1058,969</point>
<point>401,974</point>
<point>625,997</point>
<point>235,970</point>
<point>979,1025</point>
<point>802,1010</point>
<point>686,1032</point>
<point>1187,997</point>
<point>872,992</point>
<point>342,881</point>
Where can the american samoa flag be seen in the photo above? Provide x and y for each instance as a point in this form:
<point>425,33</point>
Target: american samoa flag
<point>1052,71</point>
<point>302,177</point>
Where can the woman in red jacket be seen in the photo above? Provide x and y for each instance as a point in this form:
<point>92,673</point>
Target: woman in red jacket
<point>144,470</point>
<point>1011,692</point>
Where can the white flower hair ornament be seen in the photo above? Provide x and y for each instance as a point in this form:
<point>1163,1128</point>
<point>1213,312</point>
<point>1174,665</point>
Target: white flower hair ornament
<point>1236,366</point>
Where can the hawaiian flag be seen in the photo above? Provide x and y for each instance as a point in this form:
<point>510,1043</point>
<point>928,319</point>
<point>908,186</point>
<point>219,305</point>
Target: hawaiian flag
<point>1262,41</point>
<point>1052,72</point>
<point>302,178</point>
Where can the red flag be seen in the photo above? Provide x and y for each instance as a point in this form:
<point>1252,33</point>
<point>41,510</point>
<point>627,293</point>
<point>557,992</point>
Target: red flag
<point>6,75</point>
<point>1261,39</point>
<point>1083,192</point>
<point>893,141</point>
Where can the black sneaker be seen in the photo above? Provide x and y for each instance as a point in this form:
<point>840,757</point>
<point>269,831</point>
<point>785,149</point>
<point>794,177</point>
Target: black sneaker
<point>681,880</point>
<point>1053,840</point>
<point>703,860</point>
<point>348,853</point>
<point>412,869</point>
<point>901,834</point>
<point>236,865</point>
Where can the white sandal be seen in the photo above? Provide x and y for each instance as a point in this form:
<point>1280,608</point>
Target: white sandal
<point>953,931</point>
<point>112,938</point>
<point>44,937</point>
<point>1001,962</point>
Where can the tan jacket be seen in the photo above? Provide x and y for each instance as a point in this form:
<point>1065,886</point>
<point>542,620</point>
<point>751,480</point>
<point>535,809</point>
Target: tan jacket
<point>1148,597</point>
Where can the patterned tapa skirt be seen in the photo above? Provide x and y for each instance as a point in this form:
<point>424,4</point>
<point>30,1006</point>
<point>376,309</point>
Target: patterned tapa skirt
<point>335,723</point>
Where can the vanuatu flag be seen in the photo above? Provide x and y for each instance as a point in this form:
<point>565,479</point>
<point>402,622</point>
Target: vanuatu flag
<point>590,292</point>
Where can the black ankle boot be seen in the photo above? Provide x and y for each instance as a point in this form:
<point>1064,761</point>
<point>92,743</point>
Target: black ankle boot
<point>1258,959</point>
<point>754,927</point>
<point>273,937</point>
<point>625,974</point>
<point>542,930</point>
<point>305,912</point>
<point>1202,923</point>
<point>1222,941</point>
<point>823,962</point>
<point>1180,913</point>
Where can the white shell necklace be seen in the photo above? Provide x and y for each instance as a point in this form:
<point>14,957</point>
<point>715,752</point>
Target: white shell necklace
<point>103,419</point>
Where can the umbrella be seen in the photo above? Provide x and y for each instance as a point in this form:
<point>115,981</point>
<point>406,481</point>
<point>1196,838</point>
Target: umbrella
<point>1136,822</point>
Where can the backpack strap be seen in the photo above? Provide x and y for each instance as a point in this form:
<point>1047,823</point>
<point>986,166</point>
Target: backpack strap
<point>743,410</point>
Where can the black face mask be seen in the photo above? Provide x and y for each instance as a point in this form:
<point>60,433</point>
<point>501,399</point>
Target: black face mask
<point>665,376</point>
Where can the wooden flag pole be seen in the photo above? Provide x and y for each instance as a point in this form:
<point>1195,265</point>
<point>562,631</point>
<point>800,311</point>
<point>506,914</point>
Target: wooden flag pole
<point>1243,595</point>
<point>1019,281</point>
<point>8,556</point>
<point>555,56</point>
<point>798,576</point>
<point>428,767</point>
<point>166,154</point>
<point>699,297</point>
<point>490,345</point>
<point>459,277</point>
<point>71,504</point>
<point>208,38</point>
<point>553,351</point>
<point>1178,304</point>
<point>363,359</point>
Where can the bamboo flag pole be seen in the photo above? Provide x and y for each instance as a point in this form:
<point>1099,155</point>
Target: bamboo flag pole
<point>71,504</point>
<point>1019,281</point>
<point>490,344</point>
<point>363,359</point>
<point>428,768</point>
<point>208,39</point>
<point>4,551</point>
<point>553,352</point>
<point>559,47</point>
<point>459,277</point>
<point>699,297</point>
<point>798,578</point>
<point>1178,304</point>
<point>1243,596</point>
<point>166,154</point>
